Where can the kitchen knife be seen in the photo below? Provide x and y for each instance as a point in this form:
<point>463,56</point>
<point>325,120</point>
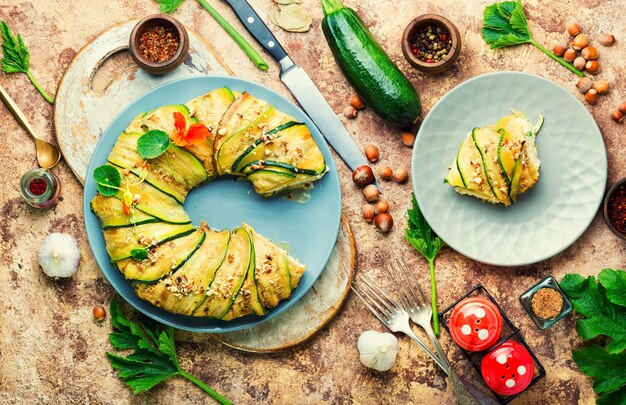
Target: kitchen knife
<point>302,88</point>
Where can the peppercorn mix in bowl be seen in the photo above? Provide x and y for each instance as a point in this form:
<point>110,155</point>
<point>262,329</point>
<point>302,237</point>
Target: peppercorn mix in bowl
<point>431,43</point>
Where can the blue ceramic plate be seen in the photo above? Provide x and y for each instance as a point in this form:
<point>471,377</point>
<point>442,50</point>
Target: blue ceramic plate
<point>546,219</point>
<point>309,229</point>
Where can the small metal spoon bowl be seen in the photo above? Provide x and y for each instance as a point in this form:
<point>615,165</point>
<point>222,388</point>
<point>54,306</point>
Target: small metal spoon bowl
<point>48,155</point>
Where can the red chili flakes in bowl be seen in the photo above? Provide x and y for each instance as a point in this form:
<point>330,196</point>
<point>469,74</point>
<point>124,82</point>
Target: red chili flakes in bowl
<point>617,209</point>
<point>158,44</point>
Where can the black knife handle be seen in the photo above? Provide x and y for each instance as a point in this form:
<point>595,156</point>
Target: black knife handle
<point>253,23</point>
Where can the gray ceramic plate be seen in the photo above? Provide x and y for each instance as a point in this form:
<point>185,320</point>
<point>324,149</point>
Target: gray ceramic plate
<point>546,219</point>
<point>309,228</point>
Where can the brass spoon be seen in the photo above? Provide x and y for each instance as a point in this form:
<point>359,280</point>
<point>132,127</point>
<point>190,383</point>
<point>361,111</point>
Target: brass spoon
<point>48,155</point>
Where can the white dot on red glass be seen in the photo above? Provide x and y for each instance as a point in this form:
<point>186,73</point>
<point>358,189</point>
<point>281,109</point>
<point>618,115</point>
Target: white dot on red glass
<point>521,370</point>
<point>510,383</point>
<point>501,359</point>
<point>483,334</point>
<point>480,313</point>
<point>466,329</point>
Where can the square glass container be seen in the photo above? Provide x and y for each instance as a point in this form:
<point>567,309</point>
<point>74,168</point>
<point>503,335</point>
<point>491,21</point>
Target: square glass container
<point>526,301</point>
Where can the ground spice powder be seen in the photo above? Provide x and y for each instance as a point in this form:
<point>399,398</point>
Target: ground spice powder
<point>547,303</point>
<point>617,209</point>
<point>158,44</point>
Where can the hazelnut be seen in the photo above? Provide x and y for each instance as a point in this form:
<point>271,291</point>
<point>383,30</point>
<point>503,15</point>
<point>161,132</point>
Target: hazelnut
<point>601,86</point>
<point>99,313</point>
<point>401,176</point>
<point>371,193</point>
<point>579,63</point>
<point>371,153</point>
<point>572,28</point>
<point>383,222</point>
<point>593,67</point>
<point>622,107</point>
<point>606,39</point>
<point>125,172</point>
<point>368,212</point>
<point>362,175</point>
<point>589,53</point>
<point>580,41</point>
<point>381,206</point>
<point>408,138</point>
<point>357,102</point>
<point>584,84</point>
<point>591,97</point>
<point>617,115</point>
<point>559,49</point>
<point>569,55</point>
<point>385,172</point>
<point>349,112</point>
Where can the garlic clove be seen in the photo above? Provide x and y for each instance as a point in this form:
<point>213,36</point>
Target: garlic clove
<point>59,255</point>
<point>377,350</point>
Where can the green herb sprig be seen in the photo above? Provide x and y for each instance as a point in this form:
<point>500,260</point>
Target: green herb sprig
<point>154,356</point>
<point>602,305</point>
<point>16,58</point>
<point>420,235</point>
<point>169,6</point>
<point>504,24</point>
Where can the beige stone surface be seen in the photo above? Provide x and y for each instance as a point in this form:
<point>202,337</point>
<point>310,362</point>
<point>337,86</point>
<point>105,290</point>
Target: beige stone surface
<point>51,349</point>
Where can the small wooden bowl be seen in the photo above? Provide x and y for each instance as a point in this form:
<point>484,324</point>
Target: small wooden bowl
<point>165,21</point>
<point>435,21</point>
<point>618,184</point>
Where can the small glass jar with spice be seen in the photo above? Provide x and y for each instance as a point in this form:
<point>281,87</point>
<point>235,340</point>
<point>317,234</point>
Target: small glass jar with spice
<point>546,303</point>
<point>40,188</point>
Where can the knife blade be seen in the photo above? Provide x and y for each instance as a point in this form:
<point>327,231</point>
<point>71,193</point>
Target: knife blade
<point>302,87</point>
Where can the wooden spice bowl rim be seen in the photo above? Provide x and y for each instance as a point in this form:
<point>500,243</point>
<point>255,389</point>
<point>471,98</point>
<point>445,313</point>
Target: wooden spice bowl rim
<point>437,21</point>
<point>166,22</point>
<point>617,185</point>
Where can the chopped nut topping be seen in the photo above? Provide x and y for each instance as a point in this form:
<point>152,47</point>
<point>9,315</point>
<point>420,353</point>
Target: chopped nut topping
<point>221,131</point>
<point>478,180</point>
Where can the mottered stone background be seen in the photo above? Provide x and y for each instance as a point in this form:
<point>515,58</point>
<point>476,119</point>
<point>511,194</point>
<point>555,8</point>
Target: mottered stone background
<point>51,349</point>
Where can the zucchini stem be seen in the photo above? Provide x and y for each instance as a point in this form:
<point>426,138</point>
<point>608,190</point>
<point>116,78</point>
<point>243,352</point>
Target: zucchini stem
<point>241,41</point>
<point>331,6</point>
<point>556,58</point>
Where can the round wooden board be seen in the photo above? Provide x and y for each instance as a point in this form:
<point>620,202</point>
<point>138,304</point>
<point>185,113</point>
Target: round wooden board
<point>88,100</point>
<point>307,316</point>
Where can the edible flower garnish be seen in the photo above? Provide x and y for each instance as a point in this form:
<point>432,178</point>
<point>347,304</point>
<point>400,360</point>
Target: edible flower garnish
<point>195,134</point>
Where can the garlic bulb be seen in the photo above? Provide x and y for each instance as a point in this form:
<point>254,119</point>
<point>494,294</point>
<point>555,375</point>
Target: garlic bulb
<point>58,255</point>
<point>378,350</point>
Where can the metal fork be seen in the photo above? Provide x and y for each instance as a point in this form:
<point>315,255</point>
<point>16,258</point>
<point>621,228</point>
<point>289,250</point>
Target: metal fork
<point>390,313</point>
<point>421,313</point>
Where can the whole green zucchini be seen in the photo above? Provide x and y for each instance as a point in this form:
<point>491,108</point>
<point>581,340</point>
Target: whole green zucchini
<point>367,67</point>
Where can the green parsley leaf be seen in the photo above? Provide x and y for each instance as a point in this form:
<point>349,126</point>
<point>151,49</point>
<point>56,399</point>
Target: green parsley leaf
<point>602,317</point>
<point>608,370</point>
<point>153,144</point>
<point>420,235</point>
<point>139,254</point>
<point>614,281</point>
<point>153,359</point>
<point>504,24</point>
<point>169,6</point>
<point>16,57</point>
<point>108,180</point>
